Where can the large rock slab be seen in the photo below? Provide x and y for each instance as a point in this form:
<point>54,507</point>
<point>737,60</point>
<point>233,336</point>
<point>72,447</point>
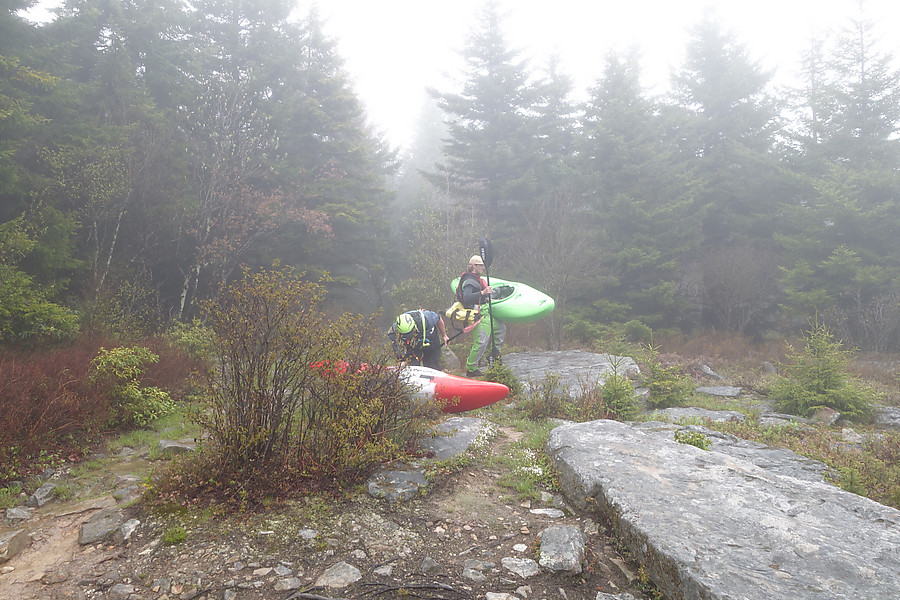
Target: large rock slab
<point>779,460</point>
<point>708,525</point>
<point>579,372</point>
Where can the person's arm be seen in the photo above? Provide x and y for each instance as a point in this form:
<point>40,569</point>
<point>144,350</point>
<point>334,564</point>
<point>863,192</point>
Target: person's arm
<point>395,344</point>
<point>443,330</point>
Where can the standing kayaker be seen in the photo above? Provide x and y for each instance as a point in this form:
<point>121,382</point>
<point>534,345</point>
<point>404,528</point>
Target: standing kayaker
<point>473,291</point>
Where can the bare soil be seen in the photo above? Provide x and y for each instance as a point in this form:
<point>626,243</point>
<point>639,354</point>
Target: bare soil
<point>412,549</point>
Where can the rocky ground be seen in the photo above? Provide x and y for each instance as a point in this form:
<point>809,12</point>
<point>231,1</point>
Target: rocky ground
<point>468,537</point>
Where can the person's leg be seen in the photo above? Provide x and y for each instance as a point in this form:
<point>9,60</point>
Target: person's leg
<point>499,336</point>
<point>432,355</point>
<point>481,336</point>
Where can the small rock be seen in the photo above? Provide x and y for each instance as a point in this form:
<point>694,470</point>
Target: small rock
<point>826,416</point>
<point>54,576</point>
<point>428,565</point>
<point>12,543</point>
<point>42,495</point>
<point>171,447</point>
<point>291,583</point>
<point>100,525</point>
<point>125,530</point>
<point>562,549</point>
<point>851,437</point>
<point>121,589</point>
<point>339,575</point>
<point>523,567</point>
<point>18,513</point>
<point>553,513</point>
<point>710,373</point>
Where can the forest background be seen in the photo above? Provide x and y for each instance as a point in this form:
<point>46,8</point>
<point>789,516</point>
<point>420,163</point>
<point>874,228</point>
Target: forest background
<point>148,151</point>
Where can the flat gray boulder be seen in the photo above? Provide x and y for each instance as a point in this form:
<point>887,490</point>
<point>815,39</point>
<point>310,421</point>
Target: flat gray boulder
<point>709,525</point>
<point>455,436</point>
<point>397,484</point>
<point>101,525</point>
<point>579,372</point>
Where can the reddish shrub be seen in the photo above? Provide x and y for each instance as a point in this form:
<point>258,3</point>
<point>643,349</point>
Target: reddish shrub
<point>175,371</point>
<point>45,400</point>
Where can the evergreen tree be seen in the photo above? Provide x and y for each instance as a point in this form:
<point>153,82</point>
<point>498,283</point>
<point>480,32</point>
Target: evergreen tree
<point>639,199</point>
<point>838,241</point>
<point>729,120</point>
<point>863,113</point>
<point>490,150</point>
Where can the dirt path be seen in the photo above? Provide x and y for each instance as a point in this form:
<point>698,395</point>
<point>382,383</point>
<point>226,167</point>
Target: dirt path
<point>446,544</point>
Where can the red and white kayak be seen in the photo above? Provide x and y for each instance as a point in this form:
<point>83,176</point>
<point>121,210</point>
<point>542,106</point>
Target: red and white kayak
<point>457,394</point>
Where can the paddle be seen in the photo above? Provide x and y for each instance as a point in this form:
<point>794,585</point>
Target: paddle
<point>466,329</point>
<point>486,250</point>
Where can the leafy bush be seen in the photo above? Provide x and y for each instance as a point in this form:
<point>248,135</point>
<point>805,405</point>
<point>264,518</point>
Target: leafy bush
<point>500,373</point>
<point>296,399</point>
<point>26,315</point>
<point>175,535</point>
<point>667,385</point>
<point>9,495</point>
<point>614,398</point>
<point>119,372</point>
<point>636,331</point>
<point>193,338</point>
<point>818,376</point>
<point>692,438</point>
<point>546,398</point>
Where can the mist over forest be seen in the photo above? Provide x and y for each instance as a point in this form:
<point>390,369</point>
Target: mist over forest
<point>151,151</point>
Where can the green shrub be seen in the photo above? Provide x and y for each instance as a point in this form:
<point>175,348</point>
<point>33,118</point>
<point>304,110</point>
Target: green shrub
<point>500,373</point>
<point>192,338</point>
<point>175,535</point>
<point>9,496</point>
<point>636,331</point>
<point>667,385</point>
<point>547,398</point>
<point>614,398</point>
<point>26,314</point>
<point>818,376</point>
<point>692,438</point>
<point>119,371</point>
<point>617,392</point>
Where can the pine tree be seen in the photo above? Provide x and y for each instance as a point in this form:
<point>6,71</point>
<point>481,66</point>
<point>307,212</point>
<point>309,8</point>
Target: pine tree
<point>490,149</point>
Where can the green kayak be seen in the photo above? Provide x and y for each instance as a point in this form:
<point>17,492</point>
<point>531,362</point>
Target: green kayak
<point>516,302</point>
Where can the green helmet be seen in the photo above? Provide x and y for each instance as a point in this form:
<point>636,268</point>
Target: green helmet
<point>405,324</point>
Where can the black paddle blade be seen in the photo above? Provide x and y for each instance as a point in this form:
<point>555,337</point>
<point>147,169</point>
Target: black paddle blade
<point>486,251</point>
